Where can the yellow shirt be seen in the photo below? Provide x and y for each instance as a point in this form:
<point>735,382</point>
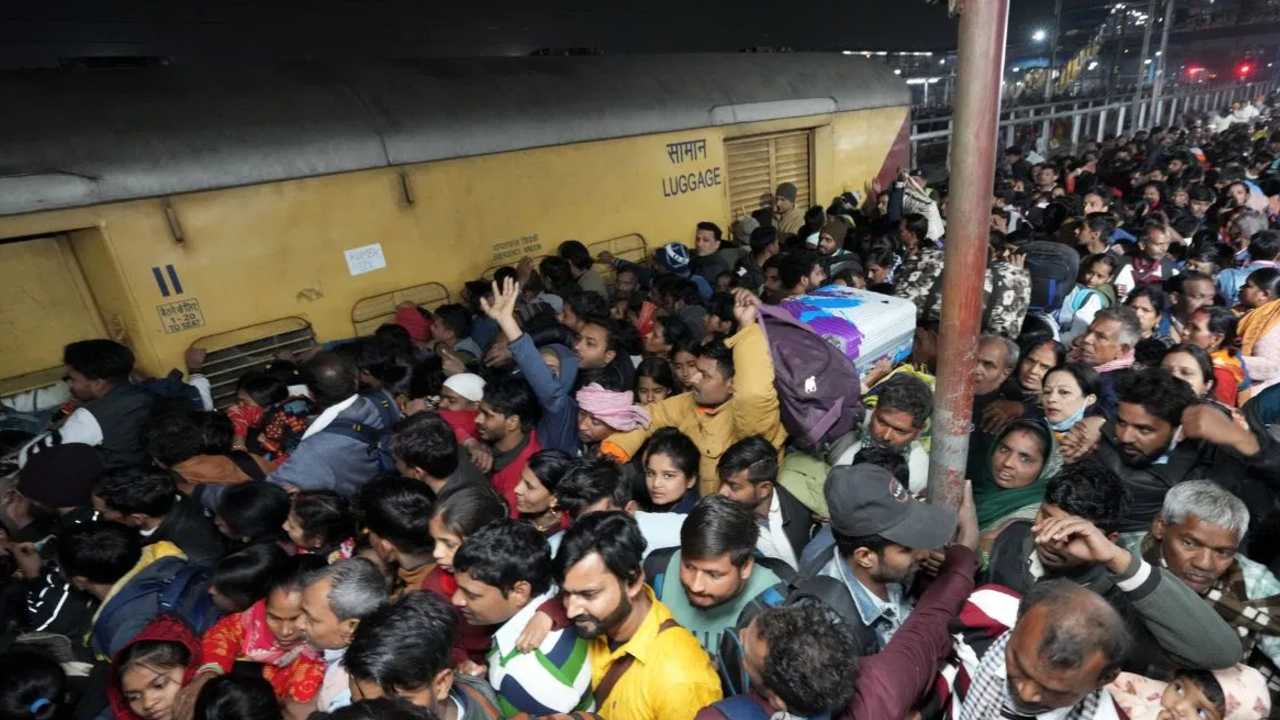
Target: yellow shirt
<point>753,410</point>
<point>672,677</point>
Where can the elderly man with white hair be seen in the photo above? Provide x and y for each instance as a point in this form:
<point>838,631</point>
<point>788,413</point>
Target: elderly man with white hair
<point>335,599</point>
<point>1196,536</point>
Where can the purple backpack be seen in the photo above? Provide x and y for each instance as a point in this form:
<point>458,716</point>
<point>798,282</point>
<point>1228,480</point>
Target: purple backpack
<point>819,390</point>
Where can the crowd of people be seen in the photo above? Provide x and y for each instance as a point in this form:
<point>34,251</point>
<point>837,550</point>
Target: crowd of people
<point>580,493</point>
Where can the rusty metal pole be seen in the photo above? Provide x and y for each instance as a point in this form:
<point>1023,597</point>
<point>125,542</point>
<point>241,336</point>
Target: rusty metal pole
<point>983,26</point>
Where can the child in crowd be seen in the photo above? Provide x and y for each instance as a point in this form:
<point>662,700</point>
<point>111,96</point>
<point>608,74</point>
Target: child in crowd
<point>671,471</point>
<point>1092,293</point>
<point>255,393</point>
<point>269,415</point>
<point>1236,693</point>
<point>320,523</point>
<point>684,363</point>
<point>456,516</point>
<point>655,381</point>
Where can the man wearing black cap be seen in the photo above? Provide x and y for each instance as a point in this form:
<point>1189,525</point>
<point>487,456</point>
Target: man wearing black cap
<point>882,535</point>
<point>787,218</point>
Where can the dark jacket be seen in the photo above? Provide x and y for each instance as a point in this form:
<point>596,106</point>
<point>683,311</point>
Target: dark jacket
<point>558,427</point>
<point>331,460</point>
<point>1172,625</point>
<point>797,521</point>
<point>1251,479</point>
<point>51,603</point>
<point>1107,400</point>
<point>749,274</point>
<point>190,529</point>
<point>710,266</point>
<point>121,414</point>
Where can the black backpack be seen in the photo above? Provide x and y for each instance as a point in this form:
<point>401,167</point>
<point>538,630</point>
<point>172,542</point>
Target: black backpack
<point>1053,268</point>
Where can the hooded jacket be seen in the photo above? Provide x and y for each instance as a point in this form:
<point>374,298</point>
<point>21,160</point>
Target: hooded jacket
<point>558,427</point>
<point>331,460</point>
<point>166,628</point>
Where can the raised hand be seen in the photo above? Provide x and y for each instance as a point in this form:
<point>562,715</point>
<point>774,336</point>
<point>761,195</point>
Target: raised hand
<point>504,300</point>
<point>1081,540</point>
<point>967,519</point>
<point>745,307</point>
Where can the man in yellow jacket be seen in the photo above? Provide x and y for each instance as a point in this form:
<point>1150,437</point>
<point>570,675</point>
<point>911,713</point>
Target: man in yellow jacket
<point>732,398</point>
<point>644,665</point>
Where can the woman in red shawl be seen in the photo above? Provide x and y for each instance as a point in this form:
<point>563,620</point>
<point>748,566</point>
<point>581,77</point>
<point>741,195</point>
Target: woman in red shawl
<point>269,634</point>
<point>147,674</point>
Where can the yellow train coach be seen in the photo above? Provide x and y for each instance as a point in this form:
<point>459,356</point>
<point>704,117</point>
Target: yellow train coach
<point>244,210</point>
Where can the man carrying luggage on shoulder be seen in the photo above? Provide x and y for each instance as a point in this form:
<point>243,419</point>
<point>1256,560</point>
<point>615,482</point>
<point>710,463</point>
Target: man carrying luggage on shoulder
<point>733,397</point>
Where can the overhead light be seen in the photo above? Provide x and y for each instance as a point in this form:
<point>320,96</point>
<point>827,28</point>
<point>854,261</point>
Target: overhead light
<point>897,71</point>
<point>1039,35</point>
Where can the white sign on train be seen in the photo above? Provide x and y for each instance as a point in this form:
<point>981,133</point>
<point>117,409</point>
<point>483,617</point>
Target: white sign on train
<point>366,258</point>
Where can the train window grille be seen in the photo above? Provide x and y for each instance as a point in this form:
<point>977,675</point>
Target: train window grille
<point>758,164</point>
<point>233,354</point>
<point>369,313</point>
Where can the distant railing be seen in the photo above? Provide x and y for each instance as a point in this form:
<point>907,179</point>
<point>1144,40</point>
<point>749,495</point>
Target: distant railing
<point>1090,119</point>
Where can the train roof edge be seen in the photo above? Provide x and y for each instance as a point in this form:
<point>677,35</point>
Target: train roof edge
<point>86,137</point>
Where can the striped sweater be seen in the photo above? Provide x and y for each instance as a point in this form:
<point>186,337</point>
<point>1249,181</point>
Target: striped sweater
<point>554,678</point>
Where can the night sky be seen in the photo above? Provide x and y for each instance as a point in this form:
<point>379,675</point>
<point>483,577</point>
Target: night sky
<point>50,33</point>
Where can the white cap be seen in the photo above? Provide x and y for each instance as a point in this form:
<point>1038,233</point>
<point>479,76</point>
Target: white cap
<point>468,385</point>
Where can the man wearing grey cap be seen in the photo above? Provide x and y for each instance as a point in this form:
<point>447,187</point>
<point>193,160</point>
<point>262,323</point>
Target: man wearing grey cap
<point>882,535</point>
<point>787,218</point>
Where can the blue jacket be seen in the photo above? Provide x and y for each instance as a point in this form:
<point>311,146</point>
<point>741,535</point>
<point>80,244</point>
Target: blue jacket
<point>1230,280</point>
<point>330,461</point>
<point>558,427</point>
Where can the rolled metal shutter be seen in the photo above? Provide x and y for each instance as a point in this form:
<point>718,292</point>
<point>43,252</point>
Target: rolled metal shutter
<point>758,164</point>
